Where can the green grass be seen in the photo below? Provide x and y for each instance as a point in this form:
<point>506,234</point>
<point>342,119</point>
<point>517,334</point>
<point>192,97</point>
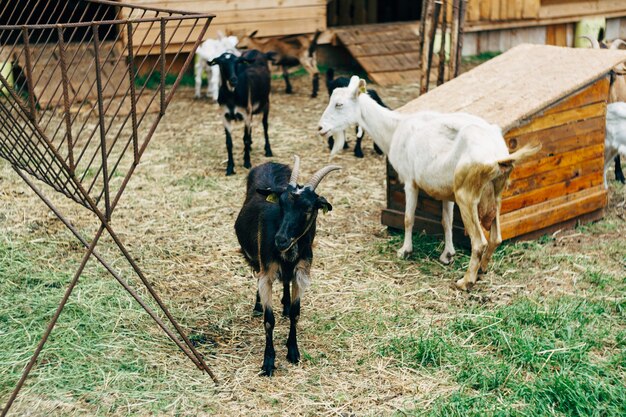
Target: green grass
<point>101,352</point>
<point>562,357</point>
<point>154,80</point>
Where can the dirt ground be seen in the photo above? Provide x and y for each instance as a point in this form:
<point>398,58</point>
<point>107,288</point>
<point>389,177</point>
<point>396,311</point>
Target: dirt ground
<point>177,218</point>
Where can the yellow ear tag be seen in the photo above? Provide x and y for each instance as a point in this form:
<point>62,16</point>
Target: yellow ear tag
<point>272,198</point>
<point>325,209</point>
<point>362,89</point>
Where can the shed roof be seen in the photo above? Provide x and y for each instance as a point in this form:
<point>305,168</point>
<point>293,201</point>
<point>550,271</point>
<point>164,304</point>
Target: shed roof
<point>519,83</point>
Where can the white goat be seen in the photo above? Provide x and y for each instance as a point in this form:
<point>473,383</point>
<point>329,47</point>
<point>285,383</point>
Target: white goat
<point>454,157</point>
<point>615,141</point>
<point>617,93</point>
<point>208,51</point>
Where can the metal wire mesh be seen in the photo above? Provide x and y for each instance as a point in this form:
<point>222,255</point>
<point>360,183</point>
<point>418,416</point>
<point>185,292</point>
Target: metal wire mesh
<point>83,87</point>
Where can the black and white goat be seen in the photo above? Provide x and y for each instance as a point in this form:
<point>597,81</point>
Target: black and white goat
<point>340,82</point>
<point>245,91</point>
<point>275,228</point>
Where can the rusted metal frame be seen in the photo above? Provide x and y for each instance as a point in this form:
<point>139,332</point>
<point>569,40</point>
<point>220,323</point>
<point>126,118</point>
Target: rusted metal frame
<point>85,78</point>
<point>109,268</point>
<point>84,123</point>
<point>132,262</point>
<point>187,62</point>
<point>71,76</point>
<point>133,105</point>
<point>162,63</point>
<point>442,48</point>
<point>58,158</point>
<point>29,74</point>
<point>21,111</point>
<point>459,49</point>
<point>66,102</point>
<point>14,134</point>
<point>41,52</point>
<point>144,114</point>
<point>167,99</point>
<point>174,86</point>
<point>122,21</point>
<point>14,149</point>
<point>137,6</point>
<point>21,13</point>
<point>103,142</point>
<point>53,321</point>
<point>28,168</point>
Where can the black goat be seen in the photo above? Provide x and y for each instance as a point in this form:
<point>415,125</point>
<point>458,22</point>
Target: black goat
<point>340,82</point>
<point>275,228</point>
<point>245,91</point>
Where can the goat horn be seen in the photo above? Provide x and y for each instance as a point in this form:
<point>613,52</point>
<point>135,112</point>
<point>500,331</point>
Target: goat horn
<point>594,42</point>
<point>319,176</point>
<point>293,181</point>
<point>616,43</point>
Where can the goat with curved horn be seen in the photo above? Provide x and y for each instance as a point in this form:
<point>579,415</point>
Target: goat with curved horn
<point>319,176</point>
<point>616,43</point>
<point>293,180</point>
<point>594,42</point>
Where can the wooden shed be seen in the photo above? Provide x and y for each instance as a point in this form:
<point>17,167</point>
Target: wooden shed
<point>553,95</point>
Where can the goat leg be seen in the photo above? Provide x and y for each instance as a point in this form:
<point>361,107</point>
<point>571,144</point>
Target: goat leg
<point>266,278</point>
<point>268,149</point>
<point>358,152</point>
<point>247,143</point>
<point>299,285</point>
<point>447,218</point>
<point>411,192</point>
<point>316,84</point>
<point>286,300</point>
<point>258,307</point>
<point>230,167</point>
<point>619,175</point>
<point>288,89</point>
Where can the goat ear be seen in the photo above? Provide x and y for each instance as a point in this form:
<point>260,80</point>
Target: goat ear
<point>270,195</point>
<point>353,87</point>
<point>271,56</point>
<point>362,86</point>
<point>321,203</point>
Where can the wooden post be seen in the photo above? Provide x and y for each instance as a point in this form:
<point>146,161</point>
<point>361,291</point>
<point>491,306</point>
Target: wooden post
<point>428,15</point>
<point>454,39</point>
<point>459,48</point>
<point>442,48</point>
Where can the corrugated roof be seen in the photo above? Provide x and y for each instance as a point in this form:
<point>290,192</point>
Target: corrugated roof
<point>519,83</point>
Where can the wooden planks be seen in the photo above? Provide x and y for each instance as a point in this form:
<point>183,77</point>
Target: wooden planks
<point>560,184</point>
<point>389,53</point>
<point>268,17</point>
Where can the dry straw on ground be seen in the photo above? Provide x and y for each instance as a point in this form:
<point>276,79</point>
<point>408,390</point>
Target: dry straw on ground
<point>177,219</point>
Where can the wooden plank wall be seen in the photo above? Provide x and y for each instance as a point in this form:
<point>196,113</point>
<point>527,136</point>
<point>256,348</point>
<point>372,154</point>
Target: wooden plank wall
<point>495,10</point>
<point>560,184</point>
<point>269,17</point>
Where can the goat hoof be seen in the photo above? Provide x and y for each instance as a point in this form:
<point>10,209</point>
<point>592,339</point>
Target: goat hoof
<point>269,153</point>
<point>230,171</point>
<point>462,285</point>
<point>404,254</point>
<point>289,91</point>
<point>286,311</point>
<point>293,355</point>
<point>446,258</point>
<point>358,153</point>
<point>247,164</point>
<point>257,310</point>
<point>268,367</point>
<point>314,95</point>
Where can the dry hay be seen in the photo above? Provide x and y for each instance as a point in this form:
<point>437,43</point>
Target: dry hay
<point>177,219</point>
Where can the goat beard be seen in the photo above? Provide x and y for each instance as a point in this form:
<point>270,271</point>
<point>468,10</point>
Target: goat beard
<point>340,140</point>
<point>291,254</point>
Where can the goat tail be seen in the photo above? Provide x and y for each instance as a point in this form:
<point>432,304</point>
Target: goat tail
<point>313,45</point>
<point>507,164</point>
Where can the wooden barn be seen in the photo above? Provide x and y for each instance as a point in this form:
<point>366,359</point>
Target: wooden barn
<point>553,95</point>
